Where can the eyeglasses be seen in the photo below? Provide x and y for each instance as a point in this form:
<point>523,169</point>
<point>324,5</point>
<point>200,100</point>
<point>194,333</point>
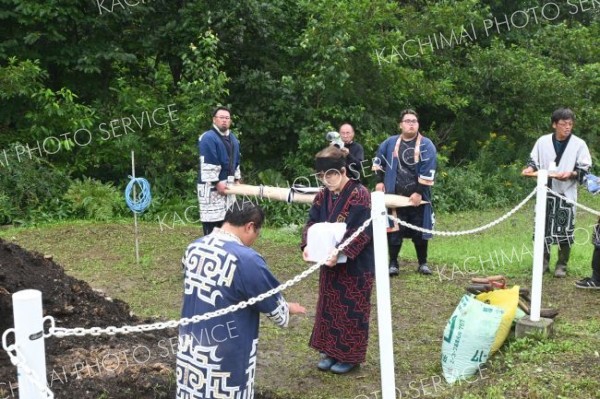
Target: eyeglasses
<point>330,173</point>
<point>410,121</point>
<point>223,117</point>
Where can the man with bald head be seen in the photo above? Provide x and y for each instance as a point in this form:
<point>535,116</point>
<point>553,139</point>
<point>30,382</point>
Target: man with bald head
<point>355,153</point>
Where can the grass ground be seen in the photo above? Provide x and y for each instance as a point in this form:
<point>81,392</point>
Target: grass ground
<point>566,366</point>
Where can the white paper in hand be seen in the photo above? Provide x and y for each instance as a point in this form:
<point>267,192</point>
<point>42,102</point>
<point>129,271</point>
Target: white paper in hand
<point>321,240</point>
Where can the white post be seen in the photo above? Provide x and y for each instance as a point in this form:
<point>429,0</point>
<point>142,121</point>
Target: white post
<point>384,307</point>
<point>538,245</point>
<point>135,222</point>
<point>29,338</point>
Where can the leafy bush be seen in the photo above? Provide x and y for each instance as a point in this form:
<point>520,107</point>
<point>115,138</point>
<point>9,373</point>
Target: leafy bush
<point>281,214</point>
<point>28,184</point>
<point>6,209</point>
<point>492,180</point>
<point>464,188</point>
<point>92,199</point>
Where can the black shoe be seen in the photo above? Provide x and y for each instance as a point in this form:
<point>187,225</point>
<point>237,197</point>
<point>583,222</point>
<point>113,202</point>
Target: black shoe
<point>424,269</point>
<point>588,283</point>
<point>394,268</point>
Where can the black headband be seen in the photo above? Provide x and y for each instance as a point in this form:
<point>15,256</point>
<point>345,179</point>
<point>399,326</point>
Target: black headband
<point>325,164</point>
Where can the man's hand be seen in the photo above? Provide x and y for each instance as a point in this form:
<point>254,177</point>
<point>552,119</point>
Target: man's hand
<point>380,187</point>
<point>528,171</point>
<point>415,199</point>
<point>296,308</point>
<point>563,176</point>
<point>221,186</point>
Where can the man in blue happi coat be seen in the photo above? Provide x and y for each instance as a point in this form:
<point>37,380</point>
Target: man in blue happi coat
<point>406,165</point>
<point>217,357</point>
<point>219,164</point>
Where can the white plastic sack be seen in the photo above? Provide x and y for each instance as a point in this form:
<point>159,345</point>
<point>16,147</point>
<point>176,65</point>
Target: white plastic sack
<point>468,337</point>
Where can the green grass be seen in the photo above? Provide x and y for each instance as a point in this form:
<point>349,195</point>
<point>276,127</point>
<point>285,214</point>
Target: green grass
<point>566,365</point>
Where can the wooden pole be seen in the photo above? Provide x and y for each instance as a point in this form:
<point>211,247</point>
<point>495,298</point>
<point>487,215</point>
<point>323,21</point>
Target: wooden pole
<point>135,221</point>
<point>283,194</point>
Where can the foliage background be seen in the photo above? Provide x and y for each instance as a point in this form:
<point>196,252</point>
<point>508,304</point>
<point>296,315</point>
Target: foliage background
<point>291,71</point>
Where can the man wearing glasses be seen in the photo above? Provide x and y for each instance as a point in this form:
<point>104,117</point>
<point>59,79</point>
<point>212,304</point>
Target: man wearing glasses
<point>219,164</point>
<point>567,159</point>
<point>405,165</point>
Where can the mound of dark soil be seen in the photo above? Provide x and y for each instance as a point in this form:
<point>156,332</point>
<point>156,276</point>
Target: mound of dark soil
<point>137,365</point>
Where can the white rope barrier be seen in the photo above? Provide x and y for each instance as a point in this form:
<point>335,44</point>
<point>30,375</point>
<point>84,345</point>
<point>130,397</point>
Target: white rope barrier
<point>570,201</point>
<point>465,232</point>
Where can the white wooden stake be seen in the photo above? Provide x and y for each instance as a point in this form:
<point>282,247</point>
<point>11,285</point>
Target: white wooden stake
<point>135,222</point>
<point>29,338</point>
<point>384,307</point>
<point>538,245</point>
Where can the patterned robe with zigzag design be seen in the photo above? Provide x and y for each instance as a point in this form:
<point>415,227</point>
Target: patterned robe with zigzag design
<point>560,214</point>
<point>217,163</point>
<point>217,357</point>
<point>341,327</point>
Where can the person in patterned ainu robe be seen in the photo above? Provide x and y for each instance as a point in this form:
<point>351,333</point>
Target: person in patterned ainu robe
<point>567,159</point>
<point>217,357</point>
<point>341,329</point>
<point>219,164</point>
<point>406,165</point>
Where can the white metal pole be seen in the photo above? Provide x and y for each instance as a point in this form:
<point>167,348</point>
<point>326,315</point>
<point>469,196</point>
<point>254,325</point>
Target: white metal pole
<point>29,338</point>
<point>135,222</point>
<point>384,307</point>
<point>538,245</point>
